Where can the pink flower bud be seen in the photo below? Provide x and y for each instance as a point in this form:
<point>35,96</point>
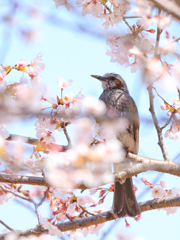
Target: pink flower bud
<point>135,188</point>
<point>151,30</point>
<point>163,106</point>
<point>162,183</point>
<point>143,180</point>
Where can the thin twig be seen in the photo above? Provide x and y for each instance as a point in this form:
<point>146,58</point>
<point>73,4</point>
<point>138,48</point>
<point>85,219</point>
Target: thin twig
<point>29,199</point>
<point>9,228</point>
<point>67,136</point>
<point>176,40</point>
<point>159,31</point>
<point>107,8</point>
<point>175,110</point>
<point>158,129</point>
<point>130,17</point>
<point>129,26</point>
<point>96,215</point>
<point>71,220</point>
<point>178,91</point>
<point>15,194</point>
<point>167,123</point>
<point>44,198</point>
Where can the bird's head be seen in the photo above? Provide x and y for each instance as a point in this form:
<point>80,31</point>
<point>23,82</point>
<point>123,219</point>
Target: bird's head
<point>112,81</point>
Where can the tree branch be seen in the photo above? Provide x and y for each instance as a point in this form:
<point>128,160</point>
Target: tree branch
<point>146,164</point>
<point>169,7</point>
<point>159,31</point>
<point>105,216</point>
<point>9,228</point>
<point>143,164</point>
<point>158,129</point>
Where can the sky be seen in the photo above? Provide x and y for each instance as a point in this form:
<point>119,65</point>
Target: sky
<point>76,55</point>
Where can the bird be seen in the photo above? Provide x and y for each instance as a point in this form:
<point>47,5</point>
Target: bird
<point>116,97</point>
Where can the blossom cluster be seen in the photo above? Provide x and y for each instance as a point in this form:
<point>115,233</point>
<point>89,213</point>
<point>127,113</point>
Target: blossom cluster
<point>130,49</point>
<point>159,191</point>
<point>111,11</point>
<point>174,131</point>
<point>20,97</point>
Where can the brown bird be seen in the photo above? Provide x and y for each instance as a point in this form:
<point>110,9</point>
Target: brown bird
<point>116,97</point>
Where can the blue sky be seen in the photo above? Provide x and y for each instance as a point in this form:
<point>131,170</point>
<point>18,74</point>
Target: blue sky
<point>74,55</point>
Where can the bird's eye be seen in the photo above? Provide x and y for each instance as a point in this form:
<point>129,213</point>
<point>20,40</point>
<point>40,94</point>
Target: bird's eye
<point>113,78</point>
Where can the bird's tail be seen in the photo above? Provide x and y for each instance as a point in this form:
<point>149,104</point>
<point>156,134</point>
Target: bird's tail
<point>125,203</point>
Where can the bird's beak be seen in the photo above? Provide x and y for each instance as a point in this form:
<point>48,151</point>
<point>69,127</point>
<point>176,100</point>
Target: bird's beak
<point>98,77</point>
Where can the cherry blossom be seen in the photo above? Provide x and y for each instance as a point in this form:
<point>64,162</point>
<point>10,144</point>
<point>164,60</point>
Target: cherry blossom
<point>61,3</point>
<point>176,101</point>
<point>36,65</point>
<point>123,48</point>
<point>157,191</point>
<point>52,230</point>
<point>169,133</point>
<point>81,200</point>
<point>64,84</point>
<point>173,192</point>
<point>71,209</point>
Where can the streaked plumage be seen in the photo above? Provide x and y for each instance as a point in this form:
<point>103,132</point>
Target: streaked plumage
<point>116,96</point>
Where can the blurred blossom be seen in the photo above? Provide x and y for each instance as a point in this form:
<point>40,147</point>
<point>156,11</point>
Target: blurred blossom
<point>173,192</point>
<point>114,151</point>
<point>94,106</point>
<point>143,10</point>
<point>23,80</point>
<point>81,200</point>
<point>29,162</point>
<point>58,178</point>
<point>52,230</point>
<point>35,80</point>
<point>171,210</point>
<point>89,199</point>
<point>108,129</point>
<point>83,130</point>
<point>176,100</point>
<point>3,131</point>
<point>168,83</point>
<point>167,46</point>
<point>93,191</point>
<point>152,70</point>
